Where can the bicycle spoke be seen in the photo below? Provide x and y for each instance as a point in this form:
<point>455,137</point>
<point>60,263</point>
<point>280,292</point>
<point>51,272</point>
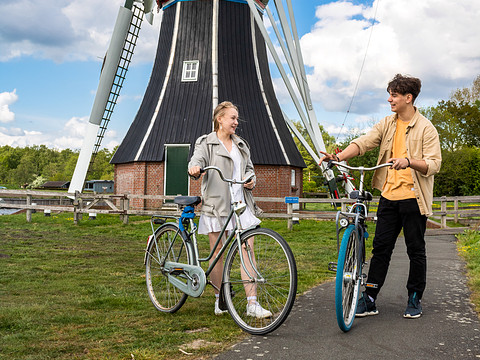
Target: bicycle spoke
<point>168,246</point>
<point>276,265</point>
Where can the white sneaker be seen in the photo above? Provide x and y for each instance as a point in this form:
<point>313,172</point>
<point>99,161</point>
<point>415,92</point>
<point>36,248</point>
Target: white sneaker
<point>256,310</point>
<point>217,309</point>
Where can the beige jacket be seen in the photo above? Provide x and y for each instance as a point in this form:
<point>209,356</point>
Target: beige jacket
<point>215,194</point>
<point>422,144</point>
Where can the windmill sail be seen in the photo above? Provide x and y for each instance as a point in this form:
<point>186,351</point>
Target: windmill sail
<point>115,66</point>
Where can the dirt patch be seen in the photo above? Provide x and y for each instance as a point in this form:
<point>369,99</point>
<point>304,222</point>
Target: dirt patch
<point>197,345</point>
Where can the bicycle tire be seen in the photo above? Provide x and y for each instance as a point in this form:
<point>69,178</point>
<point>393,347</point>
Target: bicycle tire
<point>275,262</point>
<point>164,296</point>
<point>348,279</point>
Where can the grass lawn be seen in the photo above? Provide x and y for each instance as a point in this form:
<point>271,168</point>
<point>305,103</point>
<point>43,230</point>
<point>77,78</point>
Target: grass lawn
<point>469,247</point>
<point>78,291</point>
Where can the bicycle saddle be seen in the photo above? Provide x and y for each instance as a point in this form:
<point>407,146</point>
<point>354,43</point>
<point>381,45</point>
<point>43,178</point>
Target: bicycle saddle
<point>355,194</point>
<point>187,200</point>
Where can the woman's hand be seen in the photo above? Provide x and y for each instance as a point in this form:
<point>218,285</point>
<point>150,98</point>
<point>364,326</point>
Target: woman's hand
<point>194,171</point>
<point>249,185</point>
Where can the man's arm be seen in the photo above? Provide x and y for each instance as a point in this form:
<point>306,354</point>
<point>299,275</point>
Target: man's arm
<point>349,152</point>
<point>403,163</point>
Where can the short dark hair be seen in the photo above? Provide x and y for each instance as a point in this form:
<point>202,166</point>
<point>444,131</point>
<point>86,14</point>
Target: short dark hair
<point>405,85</point>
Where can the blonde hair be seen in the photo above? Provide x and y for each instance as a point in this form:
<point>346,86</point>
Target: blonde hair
<point>220,111</point>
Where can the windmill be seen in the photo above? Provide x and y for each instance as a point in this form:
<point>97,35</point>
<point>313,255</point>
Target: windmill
<point>184,22</point>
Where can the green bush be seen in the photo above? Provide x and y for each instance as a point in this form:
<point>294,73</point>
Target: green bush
<point>459,174</point>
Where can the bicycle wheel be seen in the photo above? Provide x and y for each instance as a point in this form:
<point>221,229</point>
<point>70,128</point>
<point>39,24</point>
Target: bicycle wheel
<point>164,296</point>
<point>347,283</point>
<point>275,289</point>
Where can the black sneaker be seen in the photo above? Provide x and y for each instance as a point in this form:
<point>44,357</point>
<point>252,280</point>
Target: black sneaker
<point>365,306</point>
<point>414,307</point>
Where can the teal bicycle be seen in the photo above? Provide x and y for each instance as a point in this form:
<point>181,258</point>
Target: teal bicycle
<point>351,253</point>
<point>259,261</point>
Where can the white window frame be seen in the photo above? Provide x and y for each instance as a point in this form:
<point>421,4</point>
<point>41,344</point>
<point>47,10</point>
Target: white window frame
<point>190,70</point>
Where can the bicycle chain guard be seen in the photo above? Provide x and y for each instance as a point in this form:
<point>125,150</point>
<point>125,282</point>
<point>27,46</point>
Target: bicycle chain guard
<point>189,279</point>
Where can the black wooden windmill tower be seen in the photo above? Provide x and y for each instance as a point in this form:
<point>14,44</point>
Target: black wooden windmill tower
<point>208,51</point>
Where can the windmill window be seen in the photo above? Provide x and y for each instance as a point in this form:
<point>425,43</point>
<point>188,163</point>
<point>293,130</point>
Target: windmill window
<point>190,70</point>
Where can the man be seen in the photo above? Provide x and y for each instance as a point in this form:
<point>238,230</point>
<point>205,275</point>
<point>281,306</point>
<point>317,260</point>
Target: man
<point>411,143</point>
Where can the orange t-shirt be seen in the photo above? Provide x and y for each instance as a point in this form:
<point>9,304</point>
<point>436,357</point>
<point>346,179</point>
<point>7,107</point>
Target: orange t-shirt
<point>399,183</point>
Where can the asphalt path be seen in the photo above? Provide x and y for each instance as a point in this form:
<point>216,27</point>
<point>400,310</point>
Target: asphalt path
<point>448,329</point>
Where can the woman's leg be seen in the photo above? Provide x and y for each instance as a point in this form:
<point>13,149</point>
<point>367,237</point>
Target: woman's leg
<point>217,271</point>
<point>250,287</point>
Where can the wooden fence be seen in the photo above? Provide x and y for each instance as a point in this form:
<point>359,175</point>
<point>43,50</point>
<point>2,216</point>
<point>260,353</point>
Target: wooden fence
<point>454,208</point>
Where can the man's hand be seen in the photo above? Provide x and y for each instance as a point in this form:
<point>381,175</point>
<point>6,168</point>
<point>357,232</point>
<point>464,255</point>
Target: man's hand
<point>328,157</point>
<point>399,163</point>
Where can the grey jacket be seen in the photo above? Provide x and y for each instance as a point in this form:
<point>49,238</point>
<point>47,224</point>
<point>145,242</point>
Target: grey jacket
<point>210,152</point>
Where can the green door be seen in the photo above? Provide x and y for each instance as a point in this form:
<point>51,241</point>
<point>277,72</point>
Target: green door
<point>176,162</point>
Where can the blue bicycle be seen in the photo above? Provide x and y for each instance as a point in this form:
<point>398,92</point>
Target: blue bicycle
<point>351,254</point>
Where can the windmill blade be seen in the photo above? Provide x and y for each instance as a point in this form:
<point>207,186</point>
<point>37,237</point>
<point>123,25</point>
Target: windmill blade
<point>290,46</point>
<point>115,66</point>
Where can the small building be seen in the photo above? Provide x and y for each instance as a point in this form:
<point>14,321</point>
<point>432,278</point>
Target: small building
<point>99,186</point>
<point>56,185</point>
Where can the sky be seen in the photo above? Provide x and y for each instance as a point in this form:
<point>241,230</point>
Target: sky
<point>51,54</point>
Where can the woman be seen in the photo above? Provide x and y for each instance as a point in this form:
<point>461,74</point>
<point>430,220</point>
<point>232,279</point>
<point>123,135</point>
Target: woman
<point>229,152</point>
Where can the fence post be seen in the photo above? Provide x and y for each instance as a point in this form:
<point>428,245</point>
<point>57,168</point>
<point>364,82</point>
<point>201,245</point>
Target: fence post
<point>455,207</point>
<point>290,215</point>
<point>77,205</point>
<point>125,205</point>
<point>29,211</point>
<point>443,208</point>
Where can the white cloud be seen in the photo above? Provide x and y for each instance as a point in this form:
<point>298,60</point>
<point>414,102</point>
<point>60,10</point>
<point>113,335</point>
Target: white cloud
<point>66,30</point>
<point>69,137</point>
<point>73,134</point>
<point>435,40</point>
<point>17,137</point>
<point>7,99</point>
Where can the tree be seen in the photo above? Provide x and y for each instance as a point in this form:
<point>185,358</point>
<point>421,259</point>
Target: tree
<point>101,169</point>
<point>457,123</point>
<point>467,95</point>
<point>458,119</point>
<point>459,174</point>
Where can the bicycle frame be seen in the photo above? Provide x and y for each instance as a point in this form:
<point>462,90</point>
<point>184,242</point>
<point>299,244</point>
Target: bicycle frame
<point>351,252</point>
<point>358,212</point>
<point>189,234</point>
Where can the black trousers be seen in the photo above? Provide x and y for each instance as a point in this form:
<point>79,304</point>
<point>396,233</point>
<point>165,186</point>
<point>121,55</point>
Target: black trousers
<point>392,216</point>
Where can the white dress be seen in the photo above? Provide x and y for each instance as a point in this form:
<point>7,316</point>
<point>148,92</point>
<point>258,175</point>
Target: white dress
<point>208,224</point>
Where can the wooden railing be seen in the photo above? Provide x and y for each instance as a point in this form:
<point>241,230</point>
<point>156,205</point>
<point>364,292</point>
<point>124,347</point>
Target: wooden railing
<point>461,207</point>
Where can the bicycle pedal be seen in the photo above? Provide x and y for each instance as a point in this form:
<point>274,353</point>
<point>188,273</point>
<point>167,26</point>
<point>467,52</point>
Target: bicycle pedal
<point>332,266</point>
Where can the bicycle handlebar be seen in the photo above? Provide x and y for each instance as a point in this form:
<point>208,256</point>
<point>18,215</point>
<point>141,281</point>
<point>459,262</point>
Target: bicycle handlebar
<point>231,181</point>
<point>359,168</point>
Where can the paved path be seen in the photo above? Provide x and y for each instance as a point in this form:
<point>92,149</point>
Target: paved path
<point>449,328</point>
